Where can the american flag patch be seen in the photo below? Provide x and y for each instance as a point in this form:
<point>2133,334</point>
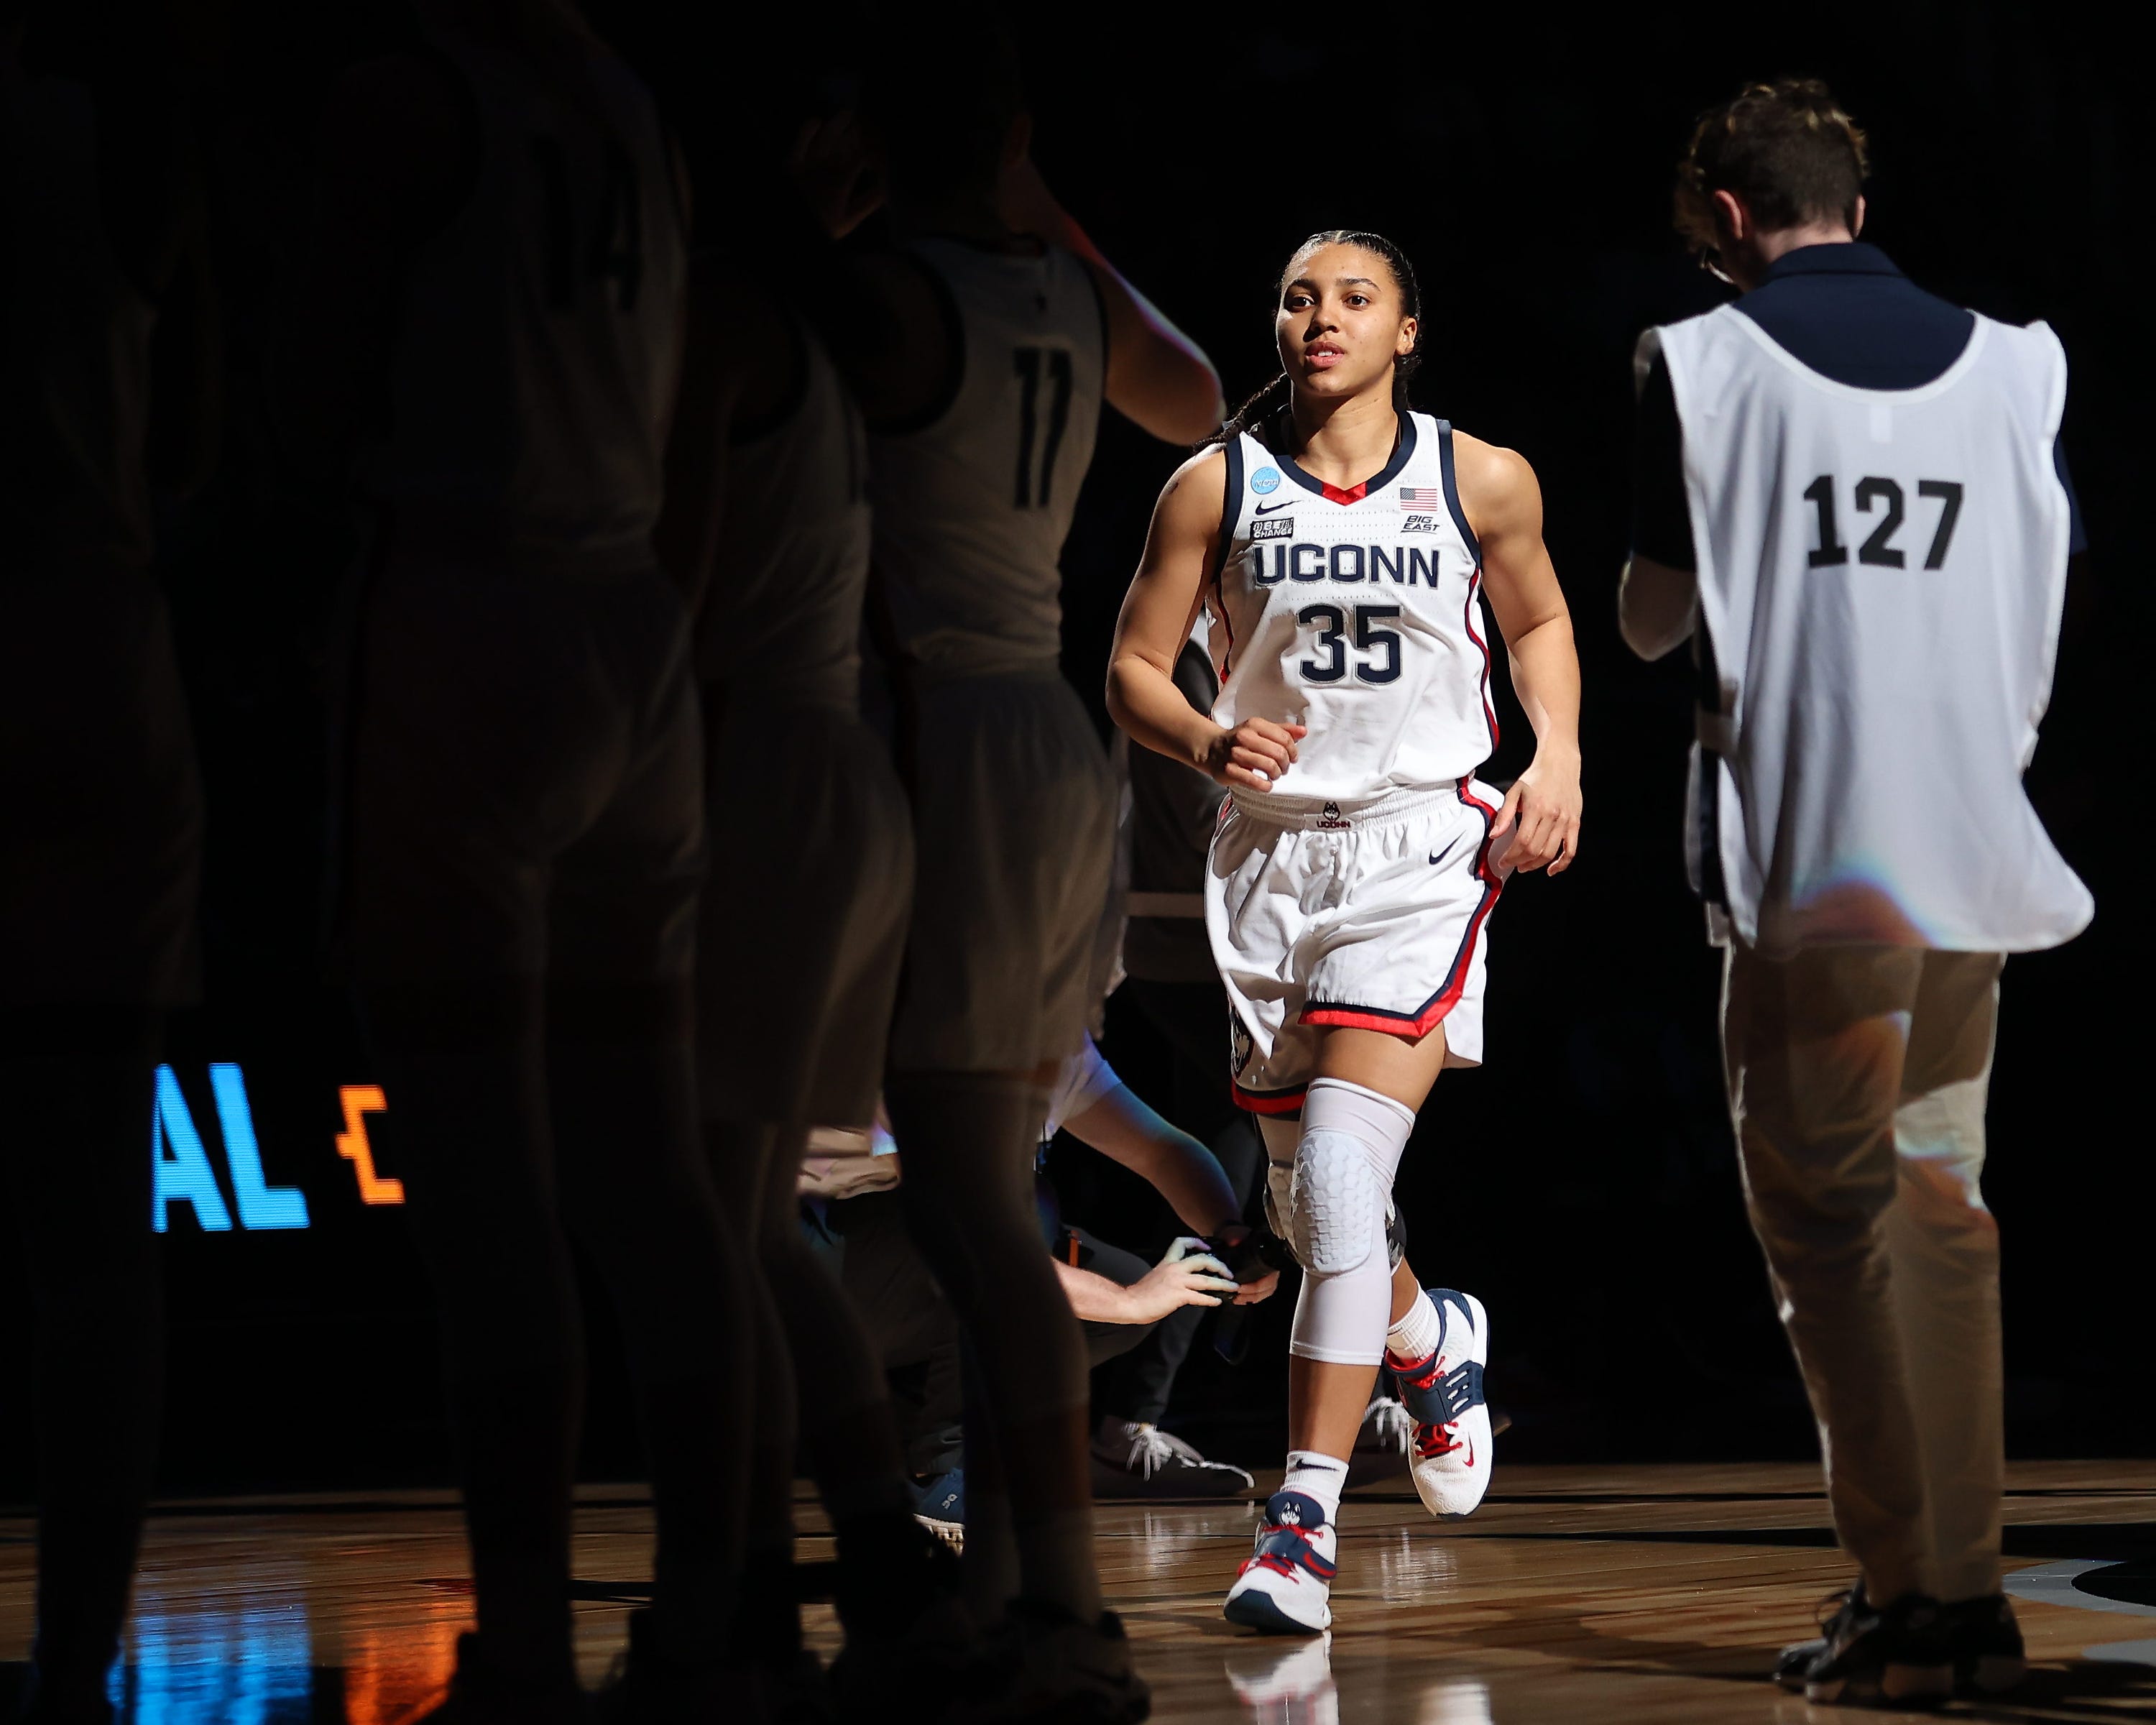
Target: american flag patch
<point>1421,497</point>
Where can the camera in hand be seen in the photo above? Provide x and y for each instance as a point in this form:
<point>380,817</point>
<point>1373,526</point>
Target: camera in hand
<point>1252,1257</point>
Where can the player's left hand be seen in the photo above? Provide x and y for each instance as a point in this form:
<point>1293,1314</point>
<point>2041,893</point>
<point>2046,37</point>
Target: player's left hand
<point>1541,812</point>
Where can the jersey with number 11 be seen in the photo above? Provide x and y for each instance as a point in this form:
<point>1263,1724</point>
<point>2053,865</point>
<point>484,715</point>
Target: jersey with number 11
<point>1356,612</point>
<point>971,501</point>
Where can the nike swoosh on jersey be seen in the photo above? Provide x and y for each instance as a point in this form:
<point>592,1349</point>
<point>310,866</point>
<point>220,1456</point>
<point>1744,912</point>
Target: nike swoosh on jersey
<point>1270,508</point>
<point>1439,856</point>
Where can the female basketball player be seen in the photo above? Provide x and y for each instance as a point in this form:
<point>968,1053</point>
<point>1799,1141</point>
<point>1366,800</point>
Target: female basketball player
<point>1342,542</point>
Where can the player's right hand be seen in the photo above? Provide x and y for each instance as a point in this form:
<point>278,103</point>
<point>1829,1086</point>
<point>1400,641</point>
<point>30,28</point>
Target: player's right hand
<point>1188,1276</point>
<point>1255,754</point>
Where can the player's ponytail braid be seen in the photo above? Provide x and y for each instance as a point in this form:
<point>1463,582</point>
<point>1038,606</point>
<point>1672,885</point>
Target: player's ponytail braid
<point>1247,415</point>
<point>1404,367</point>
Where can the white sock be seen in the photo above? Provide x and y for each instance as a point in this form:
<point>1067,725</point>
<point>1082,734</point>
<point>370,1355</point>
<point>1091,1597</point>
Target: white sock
<point>1320,1477</point>
<point>1416,1336</point>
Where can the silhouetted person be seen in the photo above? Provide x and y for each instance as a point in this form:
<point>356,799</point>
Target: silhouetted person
<point>101,821</point>
<point>497,305</point>
<point>802,931</point>
<point>982,354</point>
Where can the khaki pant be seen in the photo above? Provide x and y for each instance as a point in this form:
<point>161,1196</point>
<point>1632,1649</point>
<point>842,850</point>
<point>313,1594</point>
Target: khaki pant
<point>1857,1080</point>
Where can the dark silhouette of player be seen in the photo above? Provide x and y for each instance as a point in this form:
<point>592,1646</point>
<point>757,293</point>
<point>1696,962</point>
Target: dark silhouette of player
<point>495,321</point>
<point>982,345</point>
<point>100,840</point>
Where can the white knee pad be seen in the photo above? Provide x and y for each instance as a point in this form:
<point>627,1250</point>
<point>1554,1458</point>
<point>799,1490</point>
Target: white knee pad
<point>1336,1207</point>
<point>1342,1176</point>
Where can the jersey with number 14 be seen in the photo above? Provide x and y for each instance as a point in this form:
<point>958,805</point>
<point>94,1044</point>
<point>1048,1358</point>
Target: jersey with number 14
<point>1356,612</point>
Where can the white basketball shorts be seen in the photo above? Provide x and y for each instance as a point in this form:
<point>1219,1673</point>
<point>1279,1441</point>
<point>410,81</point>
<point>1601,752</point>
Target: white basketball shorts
<point>1371,915</point>
<point>1013,815</point>
<point>804,913</point>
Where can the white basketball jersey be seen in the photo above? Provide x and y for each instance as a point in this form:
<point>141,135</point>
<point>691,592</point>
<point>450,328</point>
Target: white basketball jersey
<point>1880,574</point>
<point>972,506</point>
<point>782,612</point>
<point>1357,613</point>
<point>74,357</point>
<point>538,339</point>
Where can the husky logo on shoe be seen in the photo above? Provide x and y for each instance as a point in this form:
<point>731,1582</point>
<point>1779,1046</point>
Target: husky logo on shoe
<point>1295,1509</point>
<point>1332,817</point>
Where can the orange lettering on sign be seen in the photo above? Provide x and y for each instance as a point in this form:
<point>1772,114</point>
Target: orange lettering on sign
<point>360,1101</point>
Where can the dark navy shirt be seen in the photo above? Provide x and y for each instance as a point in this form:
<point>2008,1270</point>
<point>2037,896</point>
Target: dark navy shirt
<point>1847,313</point>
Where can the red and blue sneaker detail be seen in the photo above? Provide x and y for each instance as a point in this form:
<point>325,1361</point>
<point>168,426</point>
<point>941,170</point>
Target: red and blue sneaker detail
<point>1452,1445</point>
<point>1285,1585</point>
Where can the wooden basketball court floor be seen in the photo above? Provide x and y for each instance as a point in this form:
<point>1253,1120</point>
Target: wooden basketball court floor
<point>1578,1595</point>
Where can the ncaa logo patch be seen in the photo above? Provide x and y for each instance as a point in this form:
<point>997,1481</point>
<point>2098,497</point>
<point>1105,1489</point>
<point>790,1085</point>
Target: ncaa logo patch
<point>1265,480</point>
<point>1278,527</point>
<point>1419,524</point>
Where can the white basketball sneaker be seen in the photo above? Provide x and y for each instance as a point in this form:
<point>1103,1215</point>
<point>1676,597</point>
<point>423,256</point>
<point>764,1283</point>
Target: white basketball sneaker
<point>1284,1586</point>
<point>1453,1447</point>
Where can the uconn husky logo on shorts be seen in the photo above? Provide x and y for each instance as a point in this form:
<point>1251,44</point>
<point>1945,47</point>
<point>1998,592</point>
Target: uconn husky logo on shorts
<point>1363,622</point>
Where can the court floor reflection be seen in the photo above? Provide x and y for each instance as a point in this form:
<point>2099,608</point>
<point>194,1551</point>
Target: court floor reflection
<point>1292,1682</point>
<point>1624,1596</point>
<point>250,1665</point>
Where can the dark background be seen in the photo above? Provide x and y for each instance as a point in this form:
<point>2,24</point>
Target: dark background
<point>1583,1182</point>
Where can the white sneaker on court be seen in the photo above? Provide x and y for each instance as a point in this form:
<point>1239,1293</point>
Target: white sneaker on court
<point>1453,1446</point>
<point>1284,1586</point>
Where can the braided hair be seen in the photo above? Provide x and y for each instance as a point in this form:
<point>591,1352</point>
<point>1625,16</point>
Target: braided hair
<point>1403,367</point>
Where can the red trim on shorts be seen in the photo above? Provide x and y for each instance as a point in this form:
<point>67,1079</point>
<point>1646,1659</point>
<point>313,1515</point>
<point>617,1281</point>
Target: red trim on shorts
<point>1396,1023</point>
<point>1419,1023</point>
<point>1269,1101</point>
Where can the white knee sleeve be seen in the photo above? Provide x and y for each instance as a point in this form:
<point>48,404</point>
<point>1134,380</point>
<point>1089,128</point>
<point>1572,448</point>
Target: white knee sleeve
<point>1343,1174</point>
